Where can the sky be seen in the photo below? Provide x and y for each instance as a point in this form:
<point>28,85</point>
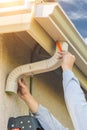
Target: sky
<point>77,12</point>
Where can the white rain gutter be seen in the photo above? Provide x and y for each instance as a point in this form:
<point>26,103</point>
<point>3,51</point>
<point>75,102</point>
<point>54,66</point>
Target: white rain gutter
<point>34,68</point>
<point>56,23</point>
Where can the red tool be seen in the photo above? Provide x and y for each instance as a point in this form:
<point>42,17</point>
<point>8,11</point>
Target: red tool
<point>59,46</point>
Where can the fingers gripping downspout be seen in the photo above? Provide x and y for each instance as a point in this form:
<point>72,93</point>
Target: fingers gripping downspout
<point>35,68</point>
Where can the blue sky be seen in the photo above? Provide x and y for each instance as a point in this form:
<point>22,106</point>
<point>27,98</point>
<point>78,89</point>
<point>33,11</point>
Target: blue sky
<point>77,12</point>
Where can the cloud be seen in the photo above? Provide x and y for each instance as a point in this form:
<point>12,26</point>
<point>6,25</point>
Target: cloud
<point>78,15</point>
<point>76,9</point>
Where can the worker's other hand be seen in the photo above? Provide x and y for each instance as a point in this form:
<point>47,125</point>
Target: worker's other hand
<point>68,61</point>
<point>23,90</point>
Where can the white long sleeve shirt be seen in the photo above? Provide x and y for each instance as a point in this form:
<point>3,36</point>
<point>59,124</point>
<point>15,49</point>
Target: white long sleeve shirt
<point>75,102</point>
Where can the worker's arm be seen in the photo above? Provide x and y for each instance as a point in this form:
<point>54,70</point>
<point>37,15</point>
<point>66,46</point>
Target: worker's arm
<point>74,96</point>
<point>24,94</point>
<point>46,119</point>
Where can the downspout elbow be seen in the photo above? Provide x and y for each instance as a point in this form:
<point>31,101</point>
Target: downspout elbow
<point>33,68</point>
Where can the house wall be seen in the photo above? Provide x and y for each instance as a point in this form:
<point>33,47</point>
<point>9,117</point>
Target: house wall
<point>47,87</point>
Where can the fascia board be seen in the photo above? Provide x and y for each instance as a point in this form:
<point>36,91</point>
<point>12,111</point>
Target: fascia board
<point>13,28</point>
<point>59,27</point>
<point>14,23</point>
<point>11,3</point>
<point>13,19</point>
<point>14,12</point>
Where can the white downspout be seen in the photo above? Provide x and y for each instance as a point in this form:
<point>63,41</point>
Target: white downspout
<point>34,68</point>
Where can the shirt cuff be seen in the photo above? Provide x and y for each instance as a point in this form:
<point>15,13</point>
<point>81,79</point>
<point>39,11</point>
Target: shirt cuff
<point>40,109</point>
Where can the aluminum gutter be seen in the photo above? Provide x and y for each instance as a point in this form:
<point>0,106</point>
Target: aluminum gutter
<point>54,16</point>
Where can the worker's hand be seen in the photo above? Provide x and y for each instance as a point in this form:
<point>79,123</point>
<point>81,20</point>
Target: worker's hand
<point>68,61</point>
<point>24,94</point>
<point>23,90</point>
